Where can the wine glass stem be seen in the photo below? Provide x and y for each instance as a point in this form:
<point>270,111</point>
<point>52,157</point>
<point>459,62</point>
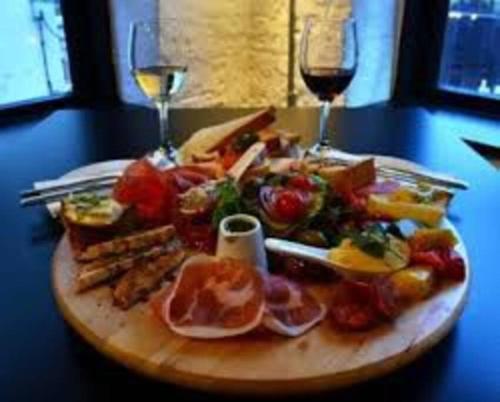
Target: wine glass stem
<point>323,123</point>
<point>165,143</point>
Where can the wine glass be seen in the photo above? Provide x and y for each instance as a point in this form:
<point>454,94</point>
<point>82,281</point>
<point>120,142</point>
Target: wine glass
<point>328,61</point>
<point>157,61</point>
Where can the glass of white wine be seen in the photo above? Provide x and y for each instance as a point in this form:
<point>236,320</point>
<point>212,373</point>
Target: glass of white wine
<point>157,61</point>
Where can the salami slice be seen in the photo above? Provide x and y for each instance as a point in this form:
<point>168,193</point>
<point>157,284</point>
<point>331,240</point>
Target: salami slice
<point>214,298</point>
<point>290,309</point>
<point>359,306</point>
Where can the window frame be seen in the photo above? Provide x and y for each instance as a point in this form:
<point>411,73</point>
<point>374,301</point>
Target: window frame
<point>420,53</point>
<point>87,27</point>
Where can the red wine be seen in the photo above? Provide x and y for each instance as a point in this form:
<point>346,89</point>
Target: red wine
<point>327,83</point>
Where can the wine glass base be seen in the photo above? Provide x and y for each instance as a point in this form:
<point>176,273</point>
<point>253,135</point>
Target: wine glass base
<point>320,151</point>
<point>163,158</point>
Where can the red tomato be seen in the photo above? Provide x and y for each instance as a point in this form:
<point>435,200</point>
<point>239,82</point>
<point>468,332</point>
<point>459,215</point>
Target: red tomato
<point>302,182</point>
<point>290,205</point>
<point>151,192</point>
<point>430,258</point>
<point>284,205</point>
<point>455,267</point>
<point>139,181</point>
<point>141,186</point>
<point>447,263</point>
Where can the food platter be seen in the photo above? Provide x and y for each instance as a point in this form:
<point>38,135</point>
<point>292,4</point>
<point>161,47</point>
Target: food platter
<point>319,360</point>
<point>251,268</point>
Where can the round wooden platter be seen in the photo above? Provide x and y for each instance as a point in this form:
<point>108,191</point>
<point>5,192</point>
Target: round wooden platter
<point>322,359</point>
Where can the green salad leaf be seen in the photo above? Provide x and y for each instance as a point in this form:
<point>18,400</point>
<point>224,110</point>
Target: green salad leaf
<point>373,240</point>
<point>228,202</point>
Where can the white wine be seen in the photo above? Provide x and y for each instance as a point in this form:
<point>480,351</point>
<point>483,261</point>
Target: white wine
<point>160,82</point>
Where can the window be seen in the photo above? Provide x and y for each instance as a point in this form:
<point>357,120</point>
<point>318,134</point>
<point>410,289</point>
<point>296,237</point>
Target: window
<point>246,55</point>
<point>34,64</point>
<point>470,62</point>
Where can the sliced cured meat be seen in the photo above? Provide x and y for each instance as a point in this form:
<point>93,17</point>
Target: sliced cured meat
<point>359,306</point>
<point>351,309</point>
<point>290,309</point>
<point>214,298</point>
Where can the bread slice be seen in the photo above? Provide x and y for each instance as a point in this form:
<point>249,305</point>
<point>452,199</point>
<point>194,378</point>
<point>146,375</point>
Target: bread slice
<point>208,139</point>
<point>138,282</point>
<point>350,178</point>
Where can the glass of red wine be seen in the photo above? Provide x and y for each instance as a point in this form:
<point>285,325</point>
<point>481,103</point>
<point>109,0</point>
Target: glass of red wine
<point>328,61</point>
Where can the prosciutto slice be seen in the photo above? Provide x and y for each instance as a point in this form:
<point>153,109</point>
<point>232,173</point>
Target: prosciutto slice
<point>214,298</point>
<point>290,309</point>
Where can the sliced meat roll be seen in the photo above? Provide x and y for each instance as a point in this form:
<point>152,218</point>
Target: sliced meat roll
<point>290,309</point>
<point>214,298</point>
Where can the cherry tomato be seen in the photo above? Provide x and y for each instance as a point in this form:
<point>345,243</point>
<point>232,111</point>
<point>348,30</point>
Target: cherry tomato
<point>139,181</point>
<point>290,206</point>
<point>303,182</point>
<point>284,205</point>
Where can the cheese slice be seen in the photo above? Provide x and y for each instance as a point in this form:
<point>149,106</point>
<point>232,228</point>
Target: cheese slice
<point>349,257</point>
<point>425,213</point>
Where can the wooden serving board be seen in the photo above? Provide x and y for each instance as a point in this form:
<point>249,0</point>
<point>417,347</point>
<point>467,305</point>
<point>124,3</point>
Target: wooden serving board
<point>267,364</point>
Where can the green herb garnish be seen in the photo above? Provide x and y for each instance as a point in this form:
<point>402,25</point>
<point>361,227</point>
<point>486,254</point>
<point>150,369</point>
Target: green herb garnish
<point>373,240</point>
<point>228,202</point>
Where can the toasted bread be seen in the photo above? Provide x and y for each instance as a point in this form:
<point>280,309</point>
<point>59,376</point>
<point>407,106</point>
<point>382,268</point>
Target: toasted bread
<point>144,278</point>
<point>345,179</point>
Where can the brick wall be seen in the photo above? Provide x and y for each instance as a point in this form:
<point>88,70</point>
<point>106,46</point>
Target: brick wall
<point>239,49</point>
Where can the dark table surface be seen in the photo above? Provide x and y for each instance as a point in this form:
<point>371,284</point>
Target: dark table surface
<point>42,359</point>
